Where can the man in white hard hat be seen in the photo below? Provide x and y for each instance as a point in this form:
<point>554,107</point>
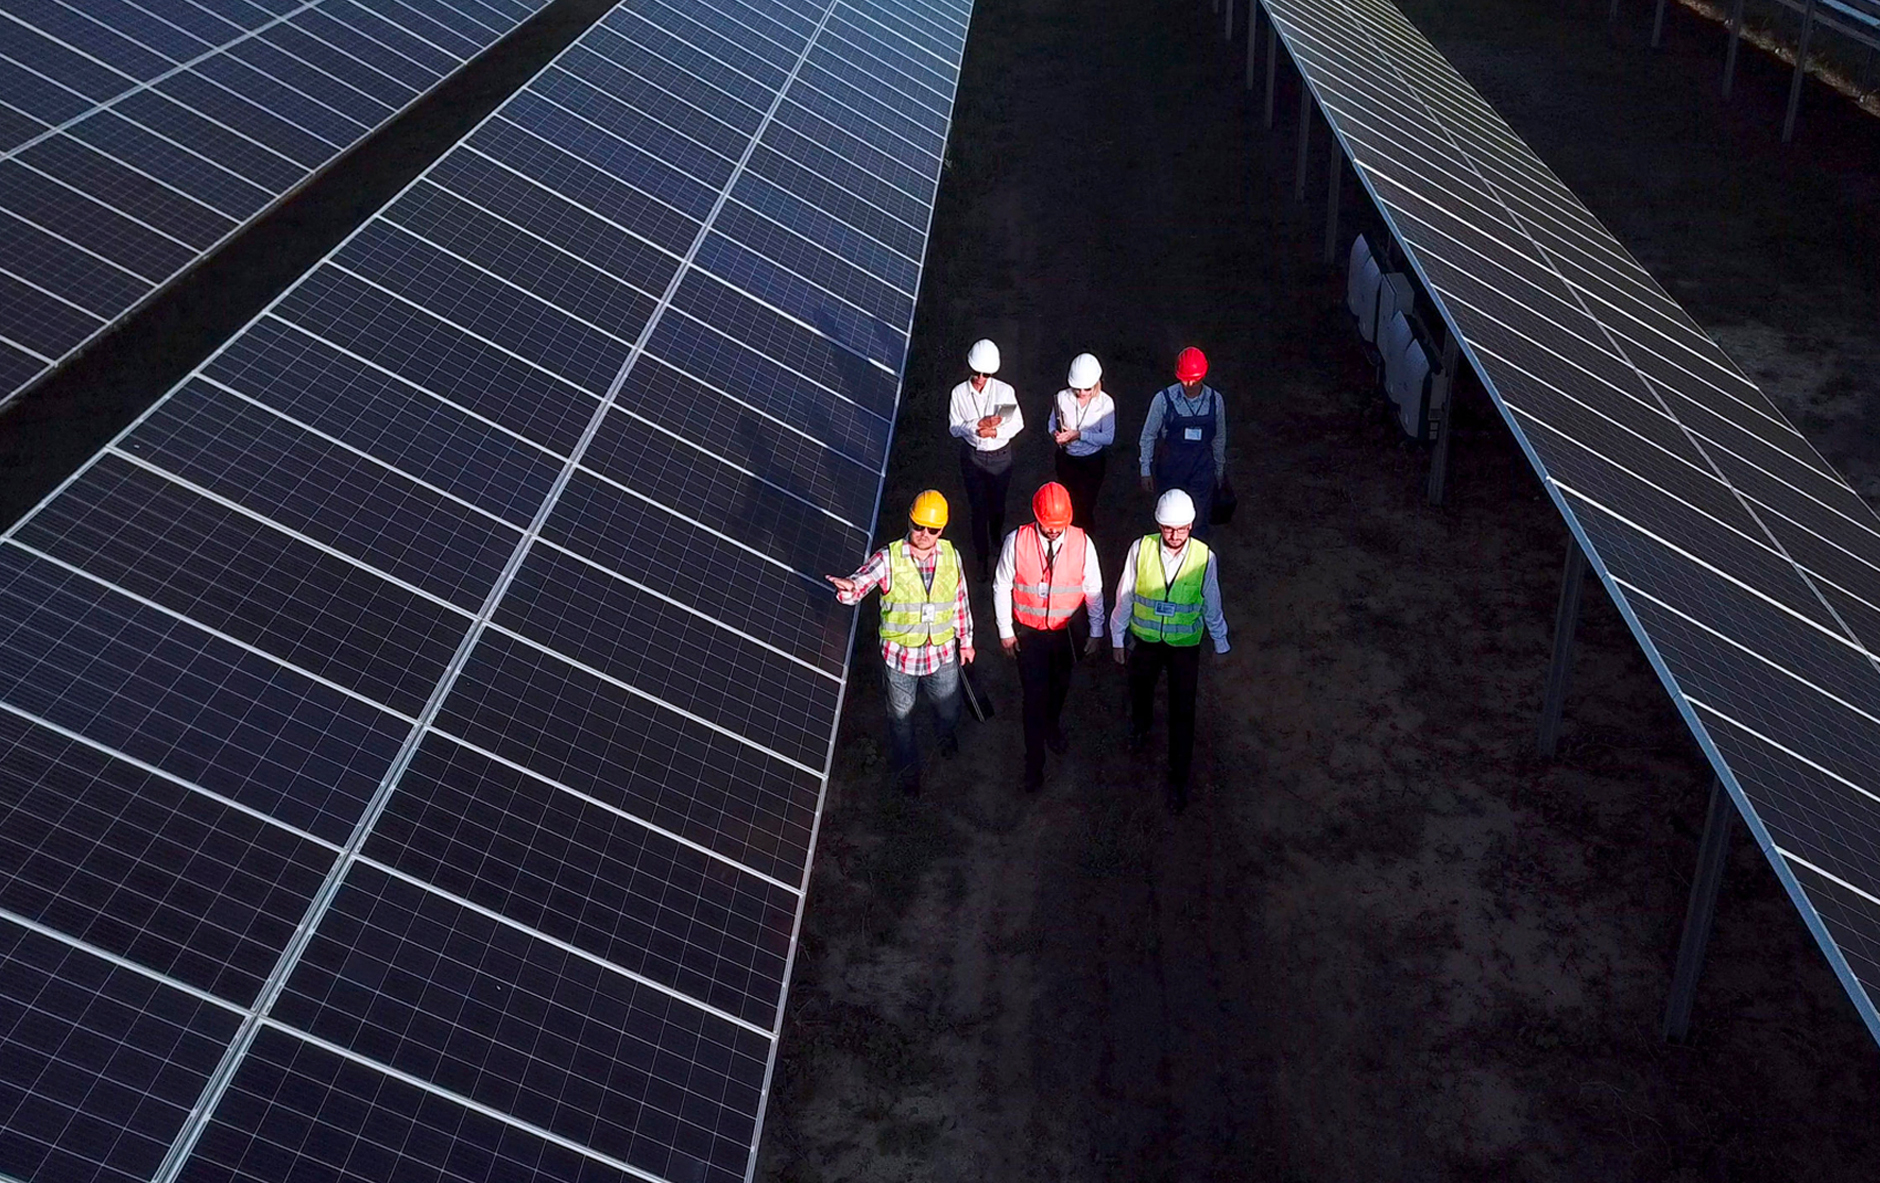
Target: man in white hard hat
<point>1083,422</point>
<point>983,414</point>
<point>1170,589</point>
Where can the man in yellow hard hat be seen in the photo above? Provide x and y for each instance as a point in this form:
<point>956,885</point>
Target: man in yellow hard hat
<point>925,618</point>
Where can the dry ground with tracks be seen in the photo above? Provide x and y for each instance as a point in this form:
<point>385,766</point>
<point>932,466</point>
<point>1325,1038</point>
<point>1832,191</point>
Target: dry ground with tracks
<point>1387,942</point>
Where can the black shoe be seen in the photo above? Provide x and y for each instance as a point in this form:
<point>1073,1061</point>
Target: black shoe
<point>949,746</point>
<point>1057,741</point>
<point>1177,796</point>
<point>1034,781</point>
<point>907,782</point>
<point>1138,741</point>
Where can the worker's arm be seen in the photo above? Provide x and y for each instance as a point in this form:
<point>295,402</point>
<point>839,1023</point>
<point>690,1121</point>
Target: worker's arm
<point>1151,432</point>
<point>962,412</point>
<point>1220,439</point>
<point>1002,575</point>
<point>1101,430</point>
<point>1125,597</point>
<point>874,574</point>
<point>1093,590</point>
<point>1211,604</point>
<point>963,621</point>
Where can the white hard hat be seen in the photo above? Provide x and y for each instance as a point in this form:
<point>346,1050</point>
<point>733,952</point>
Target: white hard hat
<point>1175,508</point>
<point>1084,372</point>
<point>983,357</point>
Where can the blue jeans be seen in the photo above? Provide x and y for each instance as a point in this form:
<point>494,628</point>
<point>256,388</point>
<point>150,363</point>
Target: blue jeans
<point>943,691</point>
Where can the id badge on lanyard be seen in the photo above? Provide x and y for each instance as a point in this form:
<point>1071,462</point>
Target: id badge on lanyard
<point>929,613</point>
<point>1191,434</point>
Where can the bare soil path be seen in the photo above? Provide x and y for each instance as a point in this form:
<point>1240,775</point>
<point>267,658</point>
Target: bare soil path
<point>1386,942</point>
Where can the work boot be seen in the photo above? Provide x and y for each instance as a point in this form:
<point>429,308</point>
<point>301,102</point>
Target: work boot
<point>1034,780</point>
<point>949,746</point>
<point>1057,741</point>
<point>907,782</point>
<point>1138,740</point>
<point>1177,796</point>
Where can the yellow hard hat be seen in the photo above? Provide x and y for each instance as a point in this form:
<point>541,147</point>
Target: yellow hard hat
<point>930,510</point>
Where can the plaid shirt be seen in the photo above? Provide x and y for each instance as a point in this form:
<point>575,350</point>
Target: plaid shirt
<point>919,660</point>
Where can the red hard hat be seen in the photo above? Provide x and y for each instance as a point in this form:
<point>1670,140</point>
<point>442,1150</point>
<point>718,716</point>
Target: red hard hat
<point>1051,505</point>
<point>1191,365</point>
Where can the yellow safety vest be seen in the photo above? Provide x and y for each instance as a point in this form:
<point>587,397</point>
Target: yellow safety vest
<point>912,614</point>
<point>1169,614</point>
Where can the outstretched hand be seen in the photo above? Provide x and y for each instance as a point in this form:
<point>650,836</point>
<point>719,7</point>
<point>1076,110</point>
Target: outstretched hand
<point>844,586</point>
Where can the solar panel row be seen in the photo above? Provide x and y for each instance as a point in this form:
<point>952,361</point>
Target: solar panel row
<point>1745,565</point>
<point>413,729</point>
<point>137,135</point>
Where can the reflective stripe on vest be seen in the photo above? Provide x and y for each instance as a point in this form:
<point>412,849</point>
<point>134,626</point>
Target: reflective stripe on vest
<point>1165,613</point>
<point>1064,583</point>
<point>912,614</point>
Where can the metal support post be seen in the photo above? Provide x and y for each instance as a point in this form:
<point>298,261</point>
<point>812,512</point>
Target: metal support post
<point>1801,71</point>
<point>1712,852</point>
<point>1736,37</point>
<point>1566,620</point>
<point>1272,65</point>
<point>1215,6</point>
<point>1331,204</point>
<point>1253,42</point>
<point>1439,459</point>
<point>1658,25</point>
<point>1227,28</point>
<point>1305,138</point>
<point>1612,14</point>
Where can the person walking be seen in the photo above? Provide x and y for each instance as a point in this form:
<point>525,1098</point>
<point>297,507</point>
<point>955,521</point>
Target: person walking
<point>1047,571</point>
<point>983,414</point>
<point>1184,439</point>
<point>925,618</point>
<point>1083,422</point>
<point>1169,589</point>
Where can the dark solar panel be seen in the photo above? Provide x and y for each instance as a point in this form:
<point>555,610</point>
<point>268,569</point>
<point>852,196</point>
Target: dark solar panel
<point>422,713</point>
<point>136,137</point>
<point>1746,567</point>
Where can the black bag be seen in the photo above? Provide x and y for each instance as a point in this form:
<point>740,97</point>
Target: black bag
<point>1222,512</point>
<point>977,701</point>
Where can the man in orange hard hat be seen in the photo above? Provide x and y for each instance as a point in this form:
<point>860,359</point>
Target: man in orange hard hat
<point>925,617</point>
<point>1047,571</point>
<point>1184,439</point>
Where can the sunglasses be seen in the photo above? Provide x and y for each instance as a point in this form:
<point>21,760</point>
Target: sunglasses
<point>914,529</point>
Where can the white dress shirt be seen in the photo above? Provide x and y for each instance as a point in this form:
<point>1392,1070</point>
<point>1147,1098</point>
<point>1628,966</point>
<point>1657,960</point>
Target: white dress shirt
<point>967,407</point>
<point>1171,564</point>
<point>1007,570</point>
<point>1095,421</point>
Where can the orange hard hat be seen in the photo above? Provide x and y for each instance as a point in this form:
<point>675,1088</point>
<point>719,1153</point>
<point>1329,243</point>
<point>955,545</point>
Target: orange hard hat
<point>1191,365</point>
<point>1051,505</point>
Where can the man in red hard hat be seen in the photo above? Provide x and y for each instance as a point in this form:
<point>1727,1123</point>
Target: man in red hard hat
<point>1184,440</point>
<point>1047,570</point>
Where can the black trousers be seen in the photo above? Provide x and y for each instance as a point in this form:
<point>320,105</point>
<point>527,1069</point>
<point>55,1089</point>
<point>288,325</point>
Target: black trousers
<point>1081,476</point>
<point>1147,660</point>
<point>1044,670</point>
<point>987,475</point>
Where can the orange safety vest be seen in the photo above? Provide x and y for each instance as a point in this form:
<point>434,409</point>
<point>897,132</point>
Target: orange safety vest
<point>1047,598</point>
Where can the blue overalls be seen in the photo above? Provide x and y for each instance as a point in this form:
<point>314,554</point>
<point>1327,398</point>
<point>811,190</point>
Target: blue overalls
<point>1186,458</point>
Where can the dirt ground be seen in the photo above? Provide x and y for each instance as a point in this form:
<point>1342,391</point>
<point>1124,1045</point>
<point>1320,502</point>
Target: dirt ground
<point>1387,942</point>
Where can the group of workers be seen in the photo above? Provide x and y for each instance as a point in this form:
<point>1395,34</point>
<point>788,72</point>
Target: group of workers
<point>1047,570</point>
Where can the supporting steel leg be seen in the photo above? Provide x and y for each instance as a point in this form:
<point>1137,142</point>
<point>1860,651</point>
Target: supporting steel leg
<point>1560,672</point>
<point>1272,64</point>
<point>1253,43</point>
<point>1712,851</point>
<point>1439,459</point>
<point>1658,24</point>
<point>1215,6</point>
<point>1801,71</point>
<point>1736,37</point>
<point>1305,138</point>
<point>1612,14</point>
<point>1331,204</point>
<point>1227,28</point>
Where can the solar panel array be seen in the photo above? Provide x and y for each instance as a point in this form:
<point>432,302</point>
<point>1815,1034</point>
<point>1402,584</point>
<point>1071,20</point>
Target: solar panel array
<point>1746,567</point>
<point>413,730</point>
<point>137,135</point>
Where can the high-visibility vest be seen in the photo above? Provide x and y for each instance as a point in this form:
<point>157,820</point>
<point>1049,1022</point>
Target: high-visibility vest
<point>912,614</point>
<point>1169,613</point>
<point>1062,580</point>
